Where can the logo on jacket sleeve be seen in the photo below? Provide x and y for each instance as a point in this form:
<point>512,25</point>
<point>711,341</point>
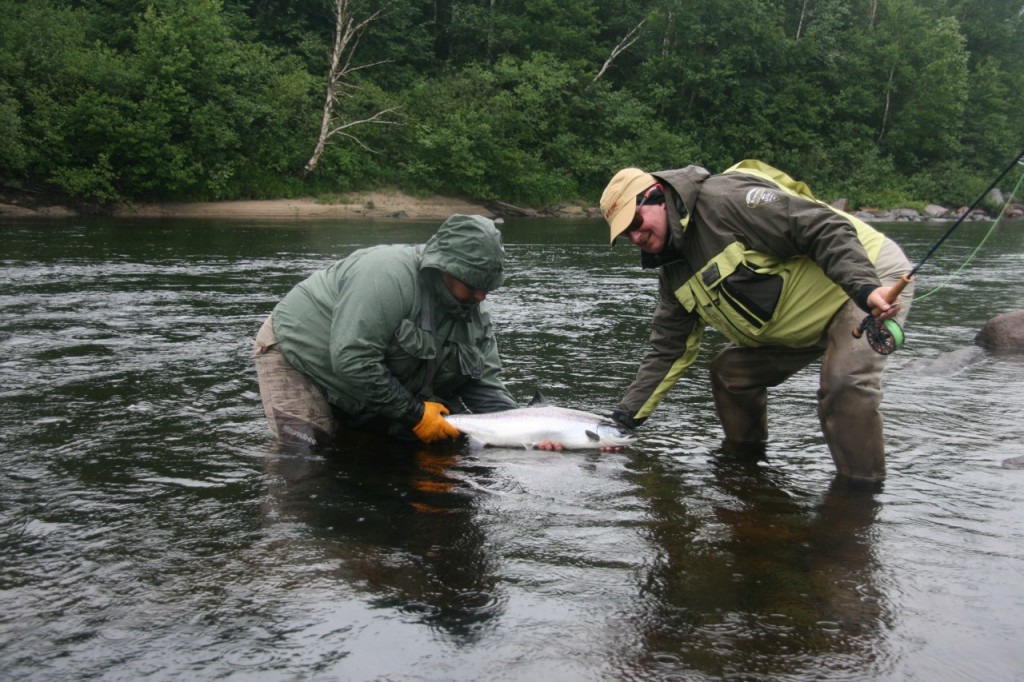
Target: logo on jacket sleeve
<point>759,196</point>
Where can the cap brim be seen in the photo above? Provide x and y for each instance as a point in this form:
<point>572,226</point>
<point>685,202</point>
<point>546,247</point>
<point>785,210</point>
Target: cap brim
<point>624,216</point>
<point>621,220</point>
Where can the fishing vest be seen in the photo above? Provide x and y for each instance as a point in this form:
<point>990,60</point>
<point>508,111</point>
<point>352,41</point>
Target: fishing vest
<point>756,299</point>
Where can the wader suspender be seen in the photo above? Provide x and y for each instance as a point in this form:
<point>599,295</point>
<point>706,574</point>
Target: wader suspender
<point>427,325</point>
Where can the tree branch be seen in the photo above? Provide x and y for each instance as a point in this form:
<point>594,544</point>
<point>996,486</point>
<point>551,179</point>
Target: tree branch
<point>623,45</point>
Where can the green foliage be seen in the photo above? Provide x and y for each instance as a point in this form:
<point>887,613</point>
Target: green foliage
<point>95,182</point>
<point>488,132</point>
<point>927,88</point>
<point>861,174</point>
<point>888,102</point>
<point>993,126</point>
<point>193,132</point>
<point>14,151</point>
<point>527,131</point>
<point>948,183</point>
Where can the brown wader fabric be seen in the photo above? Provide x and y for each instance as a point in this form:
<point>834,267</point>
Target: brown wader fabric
<point>296,408</point>
<point>850,386</point>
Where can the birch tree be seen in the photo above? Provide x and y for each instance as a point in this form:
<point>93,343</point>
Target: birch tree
<point>347,34</point>
<point>624,44</point>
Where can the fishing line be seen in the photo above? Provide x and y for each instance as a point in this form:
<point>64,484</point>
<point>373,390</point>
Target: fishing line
<point>885,336</point>
<point>1016,160</point>
<point>963,266</point>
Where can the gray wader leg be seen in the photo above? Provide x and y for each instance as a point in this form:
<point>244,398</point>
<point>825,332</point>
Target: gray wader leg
<point>296,408</point>
<point>850,391</point>
<point>740,378</point>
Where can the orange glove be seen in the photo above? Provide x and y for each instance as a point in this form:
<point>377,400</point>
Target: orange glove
<point>433,426</point>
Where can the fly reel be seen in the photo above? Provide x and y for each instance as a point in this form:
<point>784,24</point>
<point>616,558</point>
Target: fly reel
<point>884,336</point>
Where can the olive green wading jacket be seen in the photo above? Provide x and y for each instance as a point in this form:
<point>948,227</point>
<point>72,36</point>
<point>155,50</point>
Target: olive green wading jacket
<point>358,328</point>
<point>755,255</point>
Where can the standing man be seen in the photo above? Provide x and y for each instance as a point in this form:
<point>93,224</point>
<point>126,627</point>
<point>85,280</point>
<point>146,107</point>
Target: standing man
<point>785,277</point>
<point>389,339</point>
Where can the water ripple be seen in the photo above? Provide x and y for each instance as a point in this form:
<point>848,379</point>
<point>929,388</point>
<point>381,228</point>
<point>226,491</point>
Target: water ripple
<point>150,529</point>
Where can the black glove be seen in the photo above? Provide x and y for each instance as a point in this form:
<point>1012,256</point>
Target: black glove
<point>625,420</point>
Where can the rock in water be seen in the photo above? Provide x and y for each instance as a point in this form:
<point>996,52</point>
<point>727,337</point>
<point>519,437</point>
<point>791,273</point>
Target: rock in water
<point>1003,333</point>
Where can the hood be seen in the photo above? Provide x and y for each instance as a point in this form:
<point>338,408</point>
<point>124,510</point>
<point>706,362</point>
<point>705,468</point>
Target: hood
<point>467,247</point>
<point>685,183</point>
<point>683,186</point>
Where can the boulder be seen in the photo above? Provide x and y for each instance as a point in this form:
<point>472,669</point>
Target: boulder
<point>994,200</point>
<point>905,214</point>
<point>1014,463</point>
<point>1003,333</point>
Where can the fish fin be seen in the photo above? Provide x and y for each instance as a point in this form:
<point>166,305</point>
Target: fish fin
<point>475,443</point>
<point>538,400</point>
<point>593,436</point>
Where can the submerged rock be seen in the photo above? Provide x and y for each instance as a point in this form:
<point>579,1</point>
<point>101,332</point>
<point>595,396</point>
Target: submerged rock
<point>947,364</point>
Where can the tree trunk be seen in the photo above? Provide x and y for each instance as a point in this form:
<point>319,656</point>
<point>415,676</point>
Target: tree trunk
<point>888,103</point>
<point>347,34</point>
<point>800,24</point>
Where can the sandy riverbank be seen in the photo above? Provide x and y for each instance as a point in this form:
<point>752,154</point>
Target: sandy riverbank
<point>385,205</point>
<point>371,205</point>
<point>395,205</point>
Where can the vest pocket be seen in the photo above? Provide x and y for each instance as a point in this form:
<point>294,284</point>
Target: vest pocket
<point>417,342</point>
<point>753,295</point>
<point>471,360</point>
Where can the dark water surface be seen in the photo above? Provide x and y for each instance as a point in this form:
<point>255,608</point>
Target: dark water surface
<point>149,529</point>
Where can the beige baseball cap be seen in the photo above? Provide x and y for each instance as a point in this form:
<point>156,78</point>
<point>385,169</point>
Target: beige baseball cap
<point>618,203</point>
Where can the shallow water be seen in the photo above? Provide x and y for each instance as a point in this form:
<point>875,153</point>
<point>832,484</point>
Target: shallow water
<point>149,529</point>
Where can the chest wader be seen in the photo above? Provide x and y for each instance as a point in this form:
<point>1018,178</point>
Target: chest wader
<point>297,411</point>
<point>426,392</point>
<point>750,297</point>
<point>850,378</point>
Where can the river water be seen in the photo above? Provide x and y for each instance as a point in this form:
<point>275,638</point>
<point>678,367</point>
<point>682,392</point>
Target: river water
<point>150,529</point>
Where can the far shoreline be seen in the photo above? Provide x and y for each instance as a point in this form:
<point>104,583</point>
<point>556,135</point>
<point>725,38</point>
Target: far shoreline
<point>380,205</point>
<point>396,205</point>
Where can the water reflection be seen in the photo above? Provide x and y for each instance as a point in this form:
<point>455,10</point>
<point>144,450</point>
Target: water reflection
<point>758,580</point>
<point>394,521</point>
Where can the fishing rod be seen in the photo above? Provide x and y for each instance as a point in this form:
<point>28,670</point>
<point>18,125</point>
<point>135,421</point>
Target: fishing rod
<point>885,336</point>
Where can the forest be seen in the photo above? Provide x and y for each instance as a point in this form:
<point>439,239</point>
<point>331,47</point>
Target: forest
<point>532,102</point>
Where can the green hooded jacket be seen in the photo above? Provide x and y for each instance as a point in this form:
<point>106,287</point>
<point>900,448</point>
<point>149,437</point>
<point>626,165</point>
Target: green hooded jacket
<point>371,328</point>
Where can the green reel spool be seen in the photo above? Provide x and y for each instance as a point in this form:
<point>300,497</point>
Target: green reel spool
<point>884,337</point>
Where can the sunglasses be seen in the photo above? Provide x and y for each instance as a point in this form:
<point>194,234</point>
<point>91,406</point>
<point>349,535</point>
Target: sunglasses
<point>655,196</point>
